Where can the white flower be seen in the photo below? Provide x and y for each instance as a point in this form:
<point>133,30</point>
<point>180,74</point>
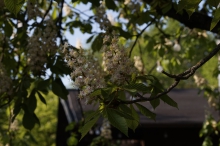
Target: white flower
<point>177,47</point>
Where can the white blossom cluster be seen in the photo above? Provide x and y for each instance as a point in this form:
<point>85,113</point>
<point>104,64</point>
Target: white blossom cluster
<point>102,19</point>
<point>41,44</point>
<point>5,81</point>
<point>116,61</point>
<point>33,9</point>
<point>86,71</point>
<point>106,129</point>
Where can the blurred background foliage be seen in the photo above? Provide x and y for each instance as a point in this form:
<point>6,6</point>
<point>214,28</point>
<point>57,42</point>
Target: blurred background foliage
<point>166,42</point>
<point>43,134</point>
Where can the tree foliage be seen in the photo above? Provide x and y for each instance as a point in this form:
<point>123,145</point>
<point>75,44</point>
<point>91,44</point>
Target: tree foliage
<point>174,37</point>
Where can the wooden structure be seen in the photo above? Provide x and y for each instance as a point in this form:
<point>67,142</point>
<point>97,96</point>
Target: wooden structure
<point>173,127</point>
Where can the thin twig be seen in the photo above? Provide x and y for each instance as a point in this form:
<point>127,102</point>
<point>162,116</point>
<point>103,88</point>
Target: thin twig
<point>59,20</point>
<point>47,11</point>
<point>79,12</point>
<point>143,99</point>
<point>138,35</point>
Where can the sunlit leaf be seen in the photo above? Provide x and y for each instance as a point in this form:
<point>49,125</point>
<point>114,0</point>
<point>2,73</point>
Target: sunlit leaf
<point>14,5</point>
<point>215,19</point>
<point>54,13</point>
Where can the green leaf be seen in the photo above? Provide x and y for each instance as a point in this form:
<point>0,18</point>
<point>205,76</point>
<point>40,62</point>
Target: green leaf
<point>137,87</point>
<point>36,119</point>
<point>70,126</point>
<point>215,19</point>
<point>123,33</point>
<point>150,45</point>
<point>122,95</point>
<point>117,121</point>
<point>96,93</point>
<point>97,43</point>
<point>104,93</point>
<point>213,3</point>
<point>72,141</point>
<point>8,29</point>
<point>155,103</point>
<point>133,124</point>
<point>133,77</point>
<point>28,120</point>
<point>85,129</point>
<point>125,108</point>
<point>43,85</point>
<point>14,6</point>
<point>145,111</point>
<point>124,114</point>
<point>166,7</point>
<point>95,3</point>
<point>17,108</point>
<point>60,66</point>
<point>32,102</point>
<point>110,4</point>
<point>59,89</point>
<point>89,116</point>
<point>143,18</point>
<point>188,5</point>
<point>42,99</point>
<point>169,101</point>
<point>89,39</point>
<point>54,13</point>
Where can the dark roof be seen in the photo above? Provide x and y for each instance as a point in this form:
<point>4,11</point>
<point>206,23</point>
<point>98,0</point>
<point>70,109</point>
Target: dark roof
<point>191,109</point>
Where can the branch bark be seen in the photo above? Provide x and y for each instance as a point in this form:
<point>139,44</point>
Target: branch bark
<point>196,20</point>
<point>182,76</point>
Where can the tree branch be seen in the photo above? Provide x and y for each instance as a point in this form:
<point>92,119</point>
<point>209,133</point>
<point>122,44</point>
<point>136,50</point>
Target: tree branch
<point>143,99</point>
<point>182,76</point>
<point>196,20</point>
<point>59,20</point>
<point>189,72</point>
<point>47,11</point>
